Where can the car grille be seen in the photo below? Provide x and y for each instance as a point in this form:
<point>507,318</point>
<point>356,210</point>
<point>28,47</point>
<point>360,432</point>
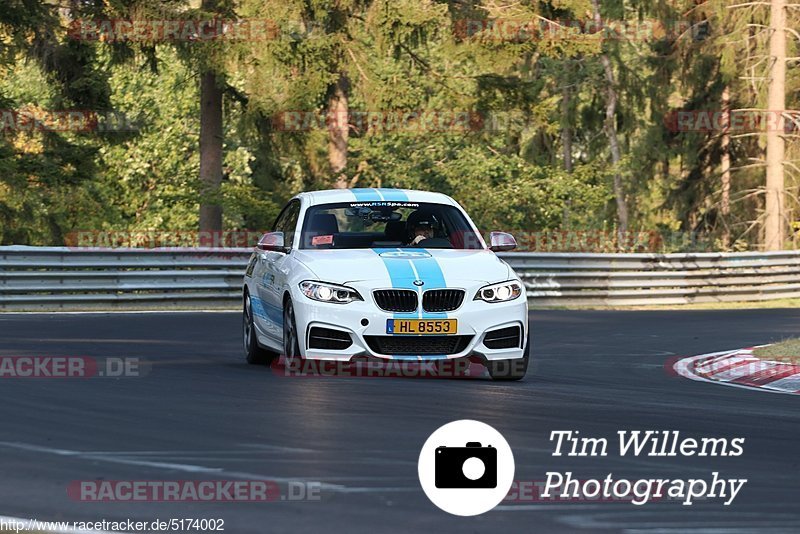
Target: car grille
<point>328,339</point>
<point>417,345</point>
<point>442,300</point>
<point>396,300</point>
<point>504,338</point>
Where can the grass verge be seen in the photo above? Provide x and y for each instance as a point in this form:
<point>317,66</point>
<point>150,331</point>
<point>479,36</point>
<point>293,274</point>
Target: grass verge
<point>786,351</point>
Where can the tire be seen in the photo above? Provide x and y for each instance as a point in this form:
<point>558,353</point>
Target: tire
<point>291,343</point>
<point>513,369</point>
<point>254,353</point>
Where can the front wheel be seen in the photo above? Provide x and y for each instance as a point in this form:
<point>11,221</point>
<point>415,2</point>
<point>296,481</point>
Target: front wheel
<point>291,345</point>
<point>253,352</point>
<point>513,369</point>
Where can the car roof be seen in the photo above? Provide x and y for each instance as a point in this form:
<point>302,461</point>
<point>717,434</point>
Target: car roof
<point>330,196</point>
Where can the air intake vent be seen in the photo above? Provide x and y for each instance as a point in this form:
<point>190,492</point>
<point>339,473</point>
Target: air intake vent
<point>396,300</point>
<point>504,338</point>
<point>442,300</point>
<point>417,345</point>
<point>328,339</point>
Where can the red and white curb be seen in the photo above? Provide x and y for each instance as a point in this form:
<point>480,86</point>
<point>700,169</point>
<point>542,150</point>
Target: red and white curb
<point>739,368</point>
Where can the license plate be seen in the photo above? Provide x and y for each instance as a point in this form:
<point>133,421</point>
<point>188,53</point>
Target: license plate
<point>422,326</point>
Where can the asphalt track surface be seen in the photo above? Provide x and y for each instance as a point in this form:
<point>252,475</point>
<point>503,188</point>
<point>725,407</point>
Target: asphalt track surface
<point>202,413</point>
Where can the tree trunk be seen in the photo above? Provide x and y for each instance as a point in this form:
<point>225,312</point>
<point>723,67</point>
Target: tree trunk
<point>210,152</point>
<point>566,130</point>
<point>339,130</point>
<point>210,145</point>
<point>566,145</point>
<point>725,203</point>
<point>774,217</point>
<point>610,127</point>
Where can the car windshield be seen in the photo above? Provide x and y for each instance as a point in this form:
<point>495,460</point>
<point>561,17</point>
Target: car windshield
<point>379,224</point>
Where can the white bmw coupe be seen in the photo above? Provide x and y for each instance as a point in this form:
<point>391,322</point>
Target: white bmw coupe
<point>383,273</point>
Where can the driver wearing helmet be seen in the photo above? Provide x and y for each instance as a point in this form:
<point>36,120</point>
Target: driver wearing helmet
<point>421,225</point>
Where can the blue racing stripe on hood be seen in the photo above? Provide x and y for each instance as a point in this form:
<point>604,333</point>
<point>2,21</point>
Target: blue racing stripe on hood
<point>400,272</point>
<point>429,271</point>
<point>403,272</point>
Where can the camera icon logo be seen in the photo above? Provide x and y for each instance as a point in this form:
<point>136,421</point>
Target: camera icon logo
<point>472,466</point>
<point>466,467</point>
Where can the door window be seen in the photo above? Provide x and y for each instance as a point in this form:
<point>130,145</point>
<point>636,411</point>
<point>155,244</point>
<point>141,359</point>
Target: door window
<point>287,222</point>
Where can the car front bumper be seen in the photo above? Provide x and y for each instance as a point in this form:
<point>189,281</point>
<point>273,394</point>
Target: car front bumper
<point>361,319</point>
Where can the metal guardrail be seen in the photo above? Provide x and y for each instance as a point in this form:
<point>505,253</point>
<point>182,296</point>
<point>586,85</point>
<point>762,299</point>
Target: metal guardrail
<point>57,278</point>
<point>61,278</point>
<point>571,279</point>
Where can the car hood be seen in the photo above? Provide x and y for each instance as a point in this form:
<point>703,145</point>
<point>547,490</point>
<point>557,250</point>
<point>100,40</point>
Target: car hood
<point>401,267</point>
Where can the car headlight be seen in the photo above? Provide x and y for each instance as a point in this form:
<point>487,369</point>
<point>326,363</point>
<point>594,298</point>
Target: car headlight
<point>502,292</point>
<point>329,292</point>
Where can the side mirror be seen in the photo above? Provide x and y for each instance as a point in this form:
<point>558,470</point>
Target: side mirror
<point>272,241</point>
<point>501,241</point>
